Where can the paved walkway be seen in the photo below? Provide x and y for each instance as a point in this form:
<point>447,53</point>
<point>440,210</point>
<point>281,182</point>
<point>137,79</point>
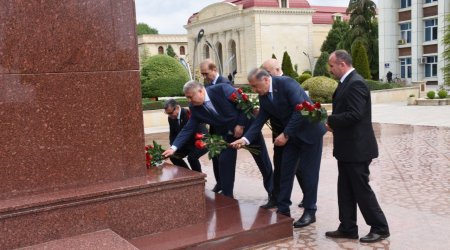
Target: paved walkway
<point>411,179</point>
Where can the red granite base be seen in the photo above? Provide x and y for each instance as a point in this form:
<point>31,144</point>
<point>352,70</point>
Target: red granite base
<point>229,225</point>
<point>100,240</point>
<point>159,202</point>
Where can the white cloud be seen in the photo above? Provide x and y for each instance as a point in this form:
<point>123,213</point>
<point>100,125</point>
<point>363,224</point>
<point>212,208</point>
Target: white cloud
<point>169,16</point>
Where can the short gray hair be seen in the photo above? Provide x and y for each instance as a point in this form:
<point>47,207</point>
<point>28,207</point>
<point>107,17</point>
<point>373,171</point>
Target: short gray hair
<point>343,56</point>
<point>192,86</point>
<point>258,73</point>
<point>170,103</point>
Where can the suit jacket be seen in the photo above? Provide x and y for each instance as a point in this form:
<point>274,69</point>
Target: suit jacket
<point>287,93</point>
<point>351,121</point>
<point>224,122</point>
<point>220,79</point>
<point>176,127</point>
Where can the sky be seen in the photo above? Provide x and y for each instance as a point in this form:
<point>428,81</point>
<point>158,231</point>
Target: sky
<point>169,16</point>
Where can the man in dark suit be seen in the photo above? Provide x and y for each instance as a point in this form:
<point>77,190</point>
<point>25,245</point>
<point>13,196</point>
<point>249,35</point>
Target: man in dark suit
<point>302,139</point>
<point>208,69</point>
<point>213,106</point>
<point>178,117</point>
<point>274,68</point>
<point>354,148</point>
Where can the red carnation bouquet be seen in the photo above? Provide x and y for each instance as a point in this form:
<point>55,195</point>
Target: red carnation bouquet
<point>313,112</point>
<point>215,144</point>
<point>153,155</point>
<point>245,103</point>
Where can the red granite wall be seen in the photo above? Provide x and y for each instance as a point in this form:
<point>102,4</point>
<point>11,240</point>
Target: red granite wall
<point>69,95</point>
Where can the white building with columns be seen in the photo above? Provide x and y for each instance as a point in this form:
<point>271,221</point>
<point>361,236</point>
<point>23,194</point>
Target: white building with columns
<point>410,39</point>
<point>247,32</point>
<point>157,44</point>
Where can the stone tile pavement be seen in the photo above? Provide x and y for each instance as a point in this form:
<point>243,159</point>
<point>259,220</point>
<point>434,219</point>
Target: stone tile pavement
<point>411,179</point>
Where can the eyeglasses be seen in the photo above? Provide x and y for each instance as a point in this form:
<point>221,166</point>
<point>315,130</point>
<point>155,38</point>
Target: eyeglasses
<point>171,112</point>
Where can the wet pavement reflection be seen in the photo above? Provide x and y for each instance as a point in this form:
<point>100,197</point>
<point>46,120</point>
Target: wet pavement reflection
<point>411,179</point>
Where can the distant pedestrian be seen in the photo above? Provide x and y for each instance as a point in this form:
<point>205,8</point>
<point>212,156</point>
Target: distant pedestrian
<point>389,76</point>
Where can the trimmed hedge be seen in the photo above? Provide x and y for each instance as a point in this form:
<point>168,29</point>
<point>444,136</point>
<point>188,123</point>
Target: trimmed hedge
<point>162,75</point>
<point>320,88</point>
<point>303,77</point>
<point>148,104</point>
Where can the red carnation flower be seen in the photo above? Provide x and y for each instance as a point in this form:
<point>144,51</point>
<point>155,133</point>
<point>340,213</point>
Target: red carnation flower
<point>233,97</point>
<point>147,147</point>
<point>311,108</point>
<point>317,105</point>
<point>200,144</point>
<point>245,97</point>
<point>240,91</point>
<point>299,107</point>
<point>198,136</point>
<point>306,104</point>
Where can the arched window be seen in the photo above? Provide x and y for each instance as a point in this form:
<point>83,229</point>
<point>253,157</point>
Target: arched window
<point>206,52</point>
<point>232,61</point>
<point>160,50</point>
<point>182,51</point>
<point>219,52</point>
<point>283,3</point>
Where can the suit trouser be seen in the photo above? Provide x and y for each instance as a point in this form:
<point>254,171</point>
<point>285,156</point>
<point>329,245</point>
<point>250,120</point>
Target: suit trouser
<point>227,169</point>
<point>215,162</point>
<point>193,154</point>
<point>277,157</point>
<point>354,189</point>
<point>308,157</point>
<point>263,161</point>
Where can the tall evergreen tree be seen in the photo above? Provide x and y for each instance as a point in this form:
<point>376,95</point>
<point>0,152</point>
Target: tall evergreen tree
<point>446,69</point>
<point>273,56</point>
<point>360,61</point>
<point>144,29</point>
<point>337,38</point>
<point>286,66</point>
<point>170,51</point>
<point>321,67</point>
<point>364,28</point>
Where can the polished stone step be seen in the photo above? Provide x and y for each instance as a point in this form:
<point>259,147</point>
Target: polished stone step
<point>229,224</point>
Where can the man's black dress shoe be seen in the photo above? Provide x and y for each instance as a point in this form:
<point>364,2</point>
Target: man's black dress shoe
<point>270,204</point>
<point>373,237</point>
<point>300,204</point>
<point>305,220</point>
<point>340,234</point>
<point>288,214</point>
<point>217,188</point>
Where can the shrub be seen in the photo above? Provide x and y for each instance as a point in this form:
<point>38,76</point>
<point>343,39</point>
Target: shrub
<point>412,95</point>
<point>360,60</point>
<point>162,75</point>
<point>321,68</point>
<point>320,88</point>
<point>442,93</point>
<point>431,94</point>
<point>376,85</point>
<point>152,105</point>
<point>287,67</point>
<point>307,72</point>
<point>303,78</point>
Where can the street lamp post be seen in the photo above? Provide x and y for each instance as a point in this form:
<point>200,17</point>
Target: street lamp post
<point>309,60</point>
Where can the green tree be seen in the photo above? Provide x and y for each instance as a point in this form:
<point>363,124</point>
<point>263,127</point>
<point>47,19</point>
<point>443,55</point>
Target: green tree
<point>170,51</point>
<point>364,28</point>
<point>337,37</point>
<point>360,61</point>
<point>321,67</point>
<point>144,29</point>
<point>286,66</point>
<point>273,56</point>
<point>446,69</point>
<point>162,75</point>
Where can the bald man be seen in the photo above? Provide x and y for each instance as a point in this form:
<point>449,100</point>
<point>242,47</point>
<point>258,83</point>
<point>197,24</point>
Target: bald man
<point>273,66</point>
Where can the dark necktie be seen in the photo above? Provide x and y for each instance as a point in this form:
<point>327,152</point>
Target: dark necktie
<point>271,96</point>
